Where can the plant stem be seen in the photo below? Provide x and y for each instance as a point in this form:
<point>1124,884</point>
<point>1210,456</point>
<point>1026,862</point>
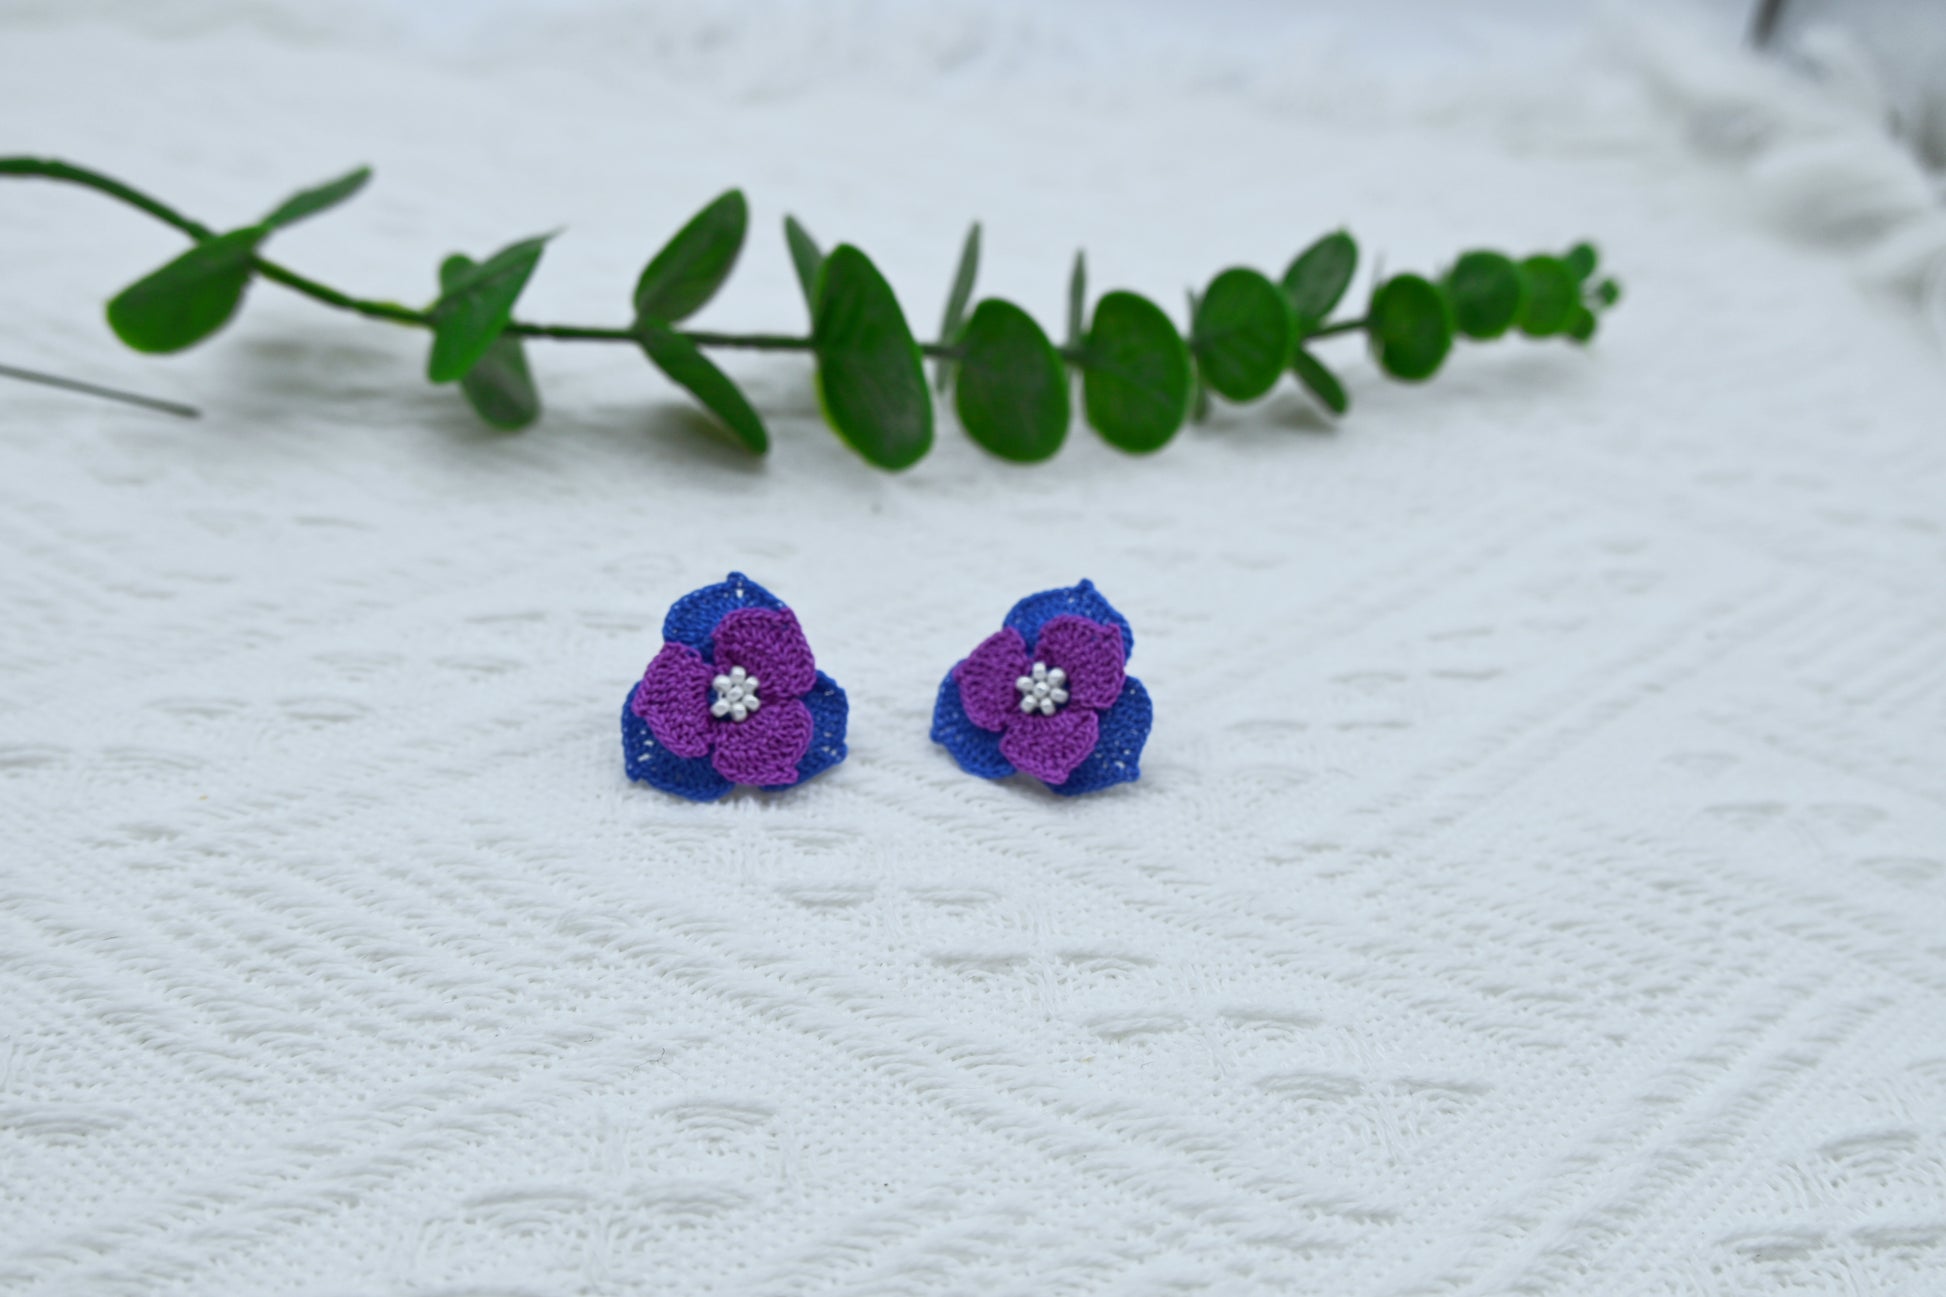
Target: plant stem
<point>49,169</point>
<point>1342,326</point>
<point>330,296</point>
<point>108,393</point>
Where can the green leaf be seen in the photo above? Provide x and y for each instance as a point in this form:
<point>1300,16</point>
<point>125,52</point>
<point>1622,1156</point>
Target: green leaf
<point>689,368</point>
<point>1582,260</point>
<point>806,258</point>
<point>1608,292</point>
<point>310,202</point>
<point>476,306</point>
<point>190,298</point>
<point>1410,326</point>
<point>870,380</point>
<point>1135,373</point>
<point>1316,281</point>
<point>1485,289</point>
<point>969,266</point>
<point>499,387</point>
<point>1581,323</point>
<point>693,265</point>
<point>1243,333</point>
<point>1319,381</point>
<point>1549,297</point>
<point>1077,297</point>
<point>1012,393</point>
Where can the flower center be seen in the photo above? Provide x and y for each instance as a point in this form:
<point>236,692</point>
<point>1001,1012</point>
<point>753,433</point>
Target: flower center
<point>736,695</point>
<point>1042,691</point>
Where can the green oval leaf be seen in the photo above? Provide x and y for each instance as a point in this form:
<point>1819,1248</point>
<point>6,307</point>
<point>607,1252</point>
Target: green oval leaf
<point>805,259</point>
<point>1549,296</point>
<point>1581,323</point>
<point>870,380</point>
<point>499,387</point>
<point>691,266</point>
<point>475,308</point>
<point>310,202</point>
<point>1135,373</point>
<point>1410,327</point>
<point>1582,260</point>
<point>1243,334</point>
<point>956,300</point>
<point>190,298</point>
<point>1012,393</point>
<point>1319,381</point>
<point>1316,281</point>
<point>1608,292</point>
<point>688,367</point>
<point>1485,288</point>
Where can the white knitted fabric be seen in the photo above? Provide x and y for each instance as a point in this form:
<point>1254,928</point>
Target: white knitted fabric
<point>1564,913</point>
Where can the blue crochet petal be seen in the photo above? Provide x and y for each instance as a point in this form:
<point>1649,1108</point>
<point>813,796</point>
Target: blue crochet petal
<point>1117,757</point>
<point>976,750</point>
<point>692,619</point>
<point>651,763</point>
<point>1036,610</point>
<point>829,714</point>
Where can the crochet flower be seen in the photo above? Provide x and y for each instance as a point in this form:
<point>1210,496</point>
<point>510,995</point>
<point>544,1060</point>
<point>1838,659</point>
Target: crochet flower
<point>1066,710</point>
<point>734,697</point>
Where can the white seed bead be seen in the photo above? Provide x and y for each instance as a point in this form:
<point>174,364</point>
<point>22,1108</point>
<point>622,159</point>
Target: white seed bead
<point>736,694</point>
<point>752,703</point>
<point>1042,691</point>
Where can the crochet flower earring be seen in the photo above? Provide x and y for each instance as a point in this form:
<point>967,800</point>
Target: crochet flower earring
<point>1067,713</point>
<point>734,697</point>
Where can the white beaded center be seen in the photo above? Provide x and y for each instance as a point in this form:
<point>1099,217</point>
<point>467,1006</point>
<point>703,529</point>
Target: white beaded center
<point>736,695</point>
<point>1043,691</point>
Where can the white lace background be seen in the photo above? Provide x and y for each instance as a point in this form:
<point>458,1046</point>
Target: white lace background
<point>1537,884</point>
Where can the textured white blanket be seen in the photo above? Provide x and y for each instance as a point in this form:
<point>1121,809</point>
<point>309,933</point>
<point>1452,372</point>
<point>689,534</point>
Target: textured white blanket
<point>1561,908</point>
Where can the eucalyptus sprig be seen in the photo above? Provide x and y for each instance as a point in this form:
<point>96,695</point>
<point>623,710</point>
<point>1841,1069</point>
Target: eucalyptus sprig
<point>1141,377</point>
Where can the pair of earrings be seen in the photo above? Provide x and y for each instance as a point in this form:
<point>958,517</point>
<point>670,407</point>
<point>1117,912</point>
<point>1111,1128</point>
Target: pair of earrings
<point>735,696</point>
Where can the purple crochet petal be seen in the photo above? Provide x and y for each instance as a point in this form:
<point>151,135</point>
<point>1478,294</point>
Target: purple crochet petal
<point>674,699</point>
<point>1036,610</point>
<point>986,679</point>
<point>770,645</point>
<point>766,748</point>
<point>651,763</point>
<point>1090,653</point>
<point>693,617</point>
<point>1117,758</point>
<point>976,750</point>
<point>1050,747</point>
<point>830,713</point>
